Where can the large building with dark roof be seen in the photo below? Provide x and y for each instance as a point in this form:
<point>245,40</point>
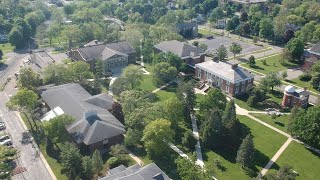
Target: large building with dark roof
<point>227,76</point>
<point>113,55</point>
<point>188,53</point>
<point>94,125</point>
<point>136,172</point>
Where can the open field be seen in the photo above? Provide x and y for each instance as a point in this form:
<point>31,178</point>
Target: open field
<point>302,84</point>
<point>167,93</point>
<point>280,122</point>
<point>272,65</point>
<point>303,161</point>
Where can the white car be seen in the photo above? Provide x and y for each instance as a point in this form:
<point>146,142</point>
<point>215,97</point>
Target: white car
<point>7,142</point>
<point>5,137</point>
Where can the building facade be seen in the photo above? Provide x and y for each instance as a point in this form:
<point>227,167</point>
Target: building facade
<point>228,77</point>
<point>293,97</point>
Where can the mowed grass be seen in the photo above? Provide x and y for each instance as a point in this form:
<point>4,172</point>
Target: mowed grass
<point>167,93</point>
<point>305,162</point>
<point>280,122</point>
<point>6,47</point>
<point>266,142</point>
<point>147,83</point>
<point>302,84</point>
<point>272,65</point>
<point>199,98</point>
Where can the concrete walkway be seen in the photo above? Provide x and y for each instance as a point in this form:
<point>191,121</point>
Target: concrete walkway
<point>274,158</point>
<point>164,86</point>
<point>197,146</point>
<point>135,158</point>
<point>177,150</point>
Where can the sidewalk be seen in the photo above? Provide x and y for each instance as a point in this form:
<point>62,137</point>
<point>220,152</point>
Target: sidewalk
<point>197,146</point>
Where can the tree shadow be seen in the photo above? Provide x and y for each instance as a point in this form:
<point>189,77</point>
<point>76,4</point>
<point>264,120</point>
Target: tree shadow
<point>26,138</point>
<point>258,67</point>
<point>53,151</point>
<point>279,123</point>
<point>168,165</point>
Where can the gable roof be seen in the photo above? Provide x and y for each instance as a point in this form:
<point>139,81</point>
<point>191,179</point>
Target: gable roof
<point>315,49</point>
<point>136,172</point>
<point>123,47</point>
<point>225,70</point>
<point>181,49</point>
<point>93,122</point>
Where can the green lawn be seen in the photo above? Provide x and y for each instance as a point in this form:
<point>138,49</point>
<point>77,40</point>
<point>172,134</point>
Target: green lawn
<point>206,32</point>
<point>302,84</point>
<point>266,141</point>
<point>199,98</point>
<point>6,47</point>
<point>305,162</point>
<point>273,65</point>
<point>280,122</point>
<point>167,93</point>
<point>147,84</point>
<point>148,67</point>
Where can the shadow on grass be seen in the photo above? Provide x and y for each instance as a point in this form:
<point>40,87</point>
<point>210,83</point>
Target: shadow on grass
<point>279,123</point>
<point>257,67</point>
<point>289,81</point>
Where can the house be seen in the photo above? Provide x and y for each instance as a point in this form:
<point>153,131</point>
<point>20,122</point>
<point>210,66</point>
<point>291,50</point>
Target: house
<point>188,53</point>
<point>136,172</point>
<point>41,59</point>
<point>94,126</point>
<point>311,56</point>
<point>315,51</point>
<point>230,78</point>
<point>293,97</point>
<point>188,29</point>
<point>113,55</point>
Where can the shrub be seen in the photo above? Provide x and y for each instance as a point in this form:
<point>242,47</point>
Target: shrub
<point>264,62</point>
<point>305,77</point>
<point>251,101</point>
<point>273,116</point>
<point>115,161</point>
<point>188,140</point>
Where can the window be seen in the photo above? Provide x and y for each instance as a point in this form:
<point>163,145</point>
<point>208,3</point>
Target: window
<point>227,88</point>
<point>228,83</point>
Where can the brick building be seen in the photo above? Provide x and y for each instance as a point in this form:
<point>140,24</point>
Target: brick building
<point>228,77</point>
<point>293,97</point>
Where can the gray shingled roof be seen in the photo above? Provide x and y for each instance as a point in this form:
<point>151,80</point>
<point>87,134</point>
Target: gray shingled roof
<point>181,49</point>
<point>76,102</point>
<point>93,51</point>
<point>225,70</point>
<point>136,172</point>
<point>315,48</point>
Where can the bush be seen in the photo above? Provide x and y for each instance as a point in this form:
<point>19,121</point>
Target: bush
<point>251,101</point>
<point>273,116</point>
<point>264,62</point>
<point>305,77</point>
<point>188,140</point>
<point>115,161</point>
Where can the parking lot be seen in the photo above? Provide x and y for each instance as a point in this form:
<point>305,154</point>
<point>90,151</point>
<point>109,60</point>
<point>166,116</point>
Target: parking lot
<point>217,41</point>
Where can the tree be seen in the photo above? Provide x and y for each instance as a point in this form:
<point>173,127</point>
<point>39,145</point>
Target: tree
<point>233,23</point>
<point>68,10</point>
<point>186,95</point>
<point>216,14</point>
<point>214,99</point>
<point>119,85</point>
<point>163,73</point>
<point>222,53</point>
<point>203,46</point>
<point>295,48</point>
<point>211,130</point>
<point>284,173</point>
<point>55,129</point>
<point>284,74</point>
<point>133,75</point>
<point>315,81</point>
<point>243,16</point>
<point>156,137</point>
<point>270,80</point>
<point>28,79</point>
<point>245,154</point>
<point>25,101</point>
<point>306,126</point>
<point>70,160</point>
<point>87,168</point>
<point>189,170</point>
<point>97,162</point>
<point>1,54</point>
<point>16,36</point>
<point>188,139</point>
<point>133,137</point>
<point>251,61</point>
<point>266,28</point>
<point>116,111</point>
<point>173,111</point>
<point>117,150</point>
<point>235,48</point>
<point>98,69</point>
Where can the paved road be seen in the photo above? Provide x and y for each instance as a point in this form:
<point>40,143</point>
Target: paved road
<point>29,156</point>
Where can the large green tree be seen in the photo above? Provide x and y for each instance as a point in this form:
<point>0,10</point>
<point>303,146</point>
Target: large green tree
<point>70,158</point>
<point>266,28</point>
<point>163,73</point>
<point>235,48</point>
<point>245,154</point>
<point>214,99</point>
<point>284,173</point>
<point>188,170</point>
<point>270,80</point>
<point>28,79</point>
<point>55,129</point>
<point>295,49</point>
<point>211,130</point>
<point>222,53</point>
<point>97,162</point>
<point>186,95</point>
<point>156,137</point>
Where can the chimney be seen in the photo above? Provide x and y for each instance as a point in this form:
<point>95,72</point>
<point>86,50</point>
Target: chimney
<point>234,66</point>
<point>90,113</point>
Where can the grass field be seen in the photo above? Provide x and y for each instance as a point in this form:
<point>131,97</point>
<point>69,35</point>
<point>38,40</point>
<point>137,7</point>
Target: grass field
<point>199,98</point>
<point>266,142</point>
<point>6,47</point>
<point>147,84</point>
<point>273,65</point>
<point>167,93</point>
<point>305,162</point>
<point>280,122</point>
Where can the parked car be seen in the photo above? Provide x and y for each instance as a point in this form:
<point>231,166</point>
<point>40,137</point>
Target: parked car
<point>2,126</point>
<point>7,142</point>
<point>5,137</point>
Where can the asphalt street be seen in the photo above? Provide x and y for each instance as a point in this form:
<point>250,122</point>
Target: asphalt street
<point>29,156</point>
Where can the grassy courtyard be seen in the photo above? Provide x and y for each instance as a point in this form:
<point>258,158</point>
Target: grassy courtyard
<point>166,93</point>
<point>280,122</point>
<point>147,84</point>
<point>6,47</point>
<point>302,84</point>
<point>266,141</point>
<point>272,65</point>
<point>303,161</point>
